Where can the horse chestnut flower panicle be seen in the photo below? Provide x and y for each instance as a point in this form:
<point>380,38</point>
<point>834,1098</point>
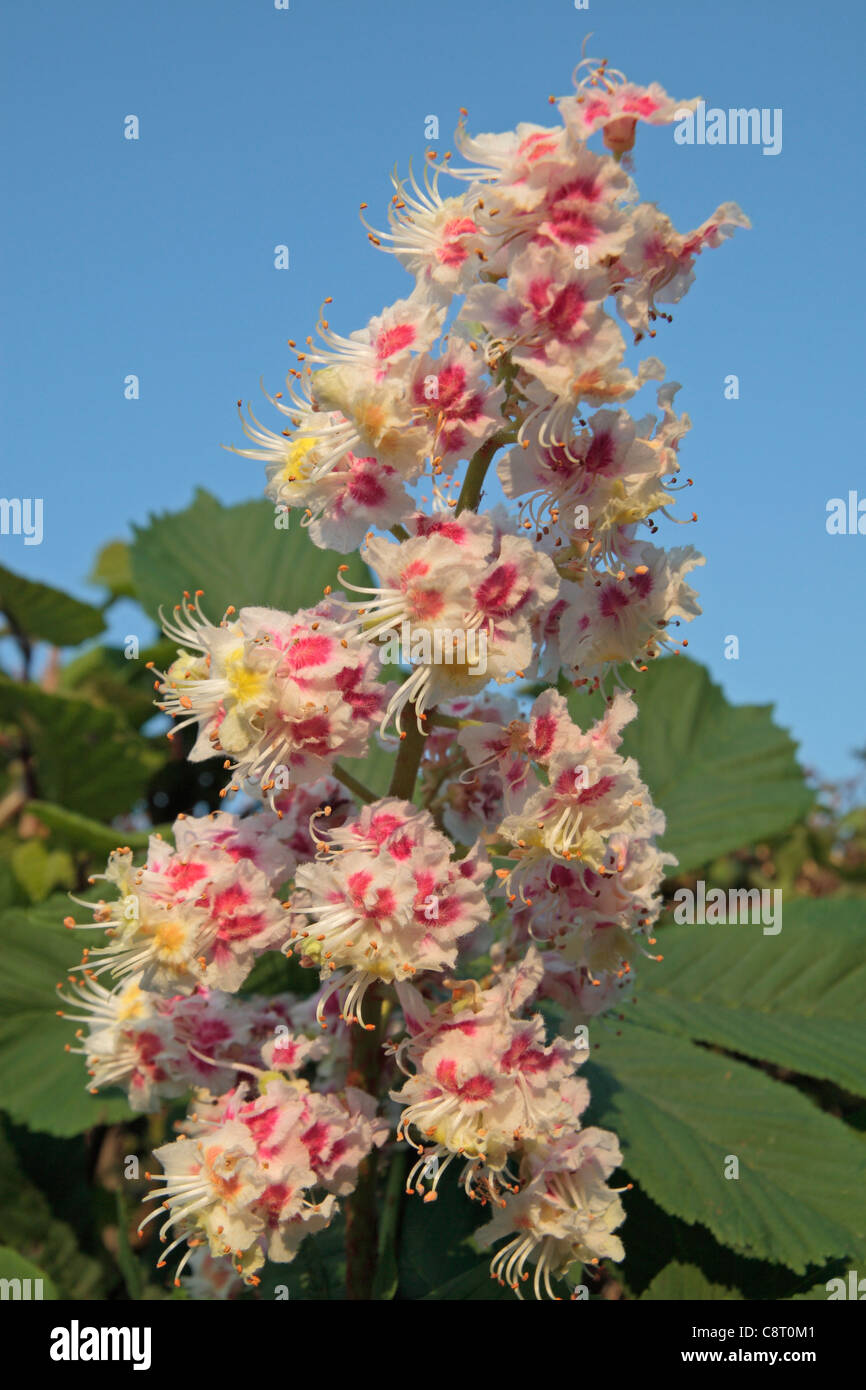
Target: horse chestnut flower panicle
<point>562,1214</point>
<point>597,920</point>
<point>196,914</point>
<point>484,1080</point>
<point>592,797</point>
<point>255,1173</point>
<point>586,495</point>
<point>624,617</point>
<point>552,252</point>
<point>282,694</point>
<point>452,581</point>
<point>157,1048</point>
<point>384,901</point>
<point>586,874</point>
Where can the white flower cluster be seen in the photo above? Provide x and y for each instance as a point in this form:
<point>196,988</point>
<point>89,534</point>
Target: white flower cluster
<point>509,350</point>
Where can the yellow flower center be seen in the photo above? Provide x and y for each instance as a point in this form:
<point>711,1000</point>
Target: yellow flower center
<point>169,940</point>
<point>300,461</point>
<point>245,686</point>
<point>132,1001</point>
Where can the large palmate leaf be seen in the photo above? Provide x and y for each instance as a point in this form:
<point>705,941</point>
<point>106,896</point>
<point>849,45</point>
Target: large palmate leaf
<point>683,1112</point>
<point>236,555</point>
<point>795,998</point>
<point>41,1085</point>
<point>87,758</point>
<point>47,614</point>
<point>724,775</point>
<point>655,1239</point>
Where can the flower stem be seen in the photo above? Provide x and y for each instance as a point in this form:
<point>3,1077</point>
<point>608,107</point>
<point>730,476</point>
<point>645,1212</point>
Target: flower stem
<point>405,772</point>
<point>361,1222</point>
<point>470,493</point>
<point>450,721</point>
<point>363,793</point>
<point>365,1067</point>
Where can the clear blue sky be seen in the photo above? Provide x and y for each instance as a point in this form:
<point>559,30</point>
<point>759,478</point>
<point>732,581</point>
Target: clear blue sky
<point>261,126</point>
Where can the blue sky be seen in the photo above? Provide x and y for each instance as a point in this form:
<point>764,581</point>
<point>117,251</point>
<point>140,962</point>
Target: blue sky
<point>261,126</point>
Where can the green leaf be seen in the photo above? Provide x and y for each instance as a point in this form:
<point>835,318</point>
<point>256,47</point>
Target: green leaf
<point>475,1286</point>
<point>87,758</point>
<point>678,1283</point>
<point>28,1226</point>
<point>105,676</point>
<point>817,1294</point>
<point>724,775</point>
<point>316,1274</point>
<point>41,1085</point>
<point>39,870</point>
<point>273,973</point>
<point>84,833</point>
<point>9,890</point>
<point>112,570</point>
<point>655,1238</point>
<point>47,614</point>
<point>681,1111</point>
<point>434,1248</point>
<point>236,555</point>
<point>795,999</point>
<point>14,1266</point>
<point>130,1268</point>
<point>387,1272</point>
